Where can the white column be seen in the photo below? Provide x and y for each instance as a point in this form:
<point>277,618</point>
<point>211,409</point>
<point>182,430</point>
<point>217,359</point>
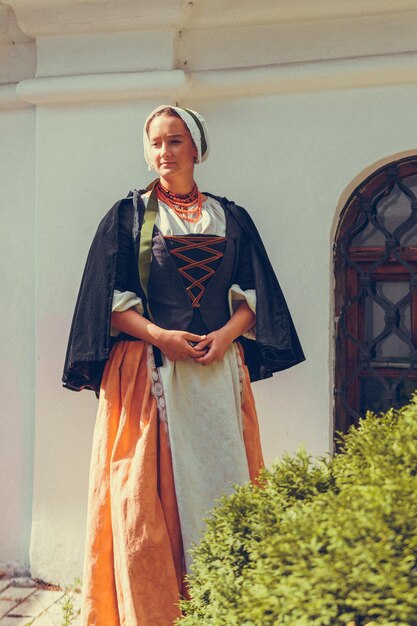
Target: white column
<point>17,243</point>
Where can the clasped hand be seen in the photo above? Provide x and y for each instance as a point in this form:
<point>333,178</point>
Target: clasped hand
<point>179,345</point>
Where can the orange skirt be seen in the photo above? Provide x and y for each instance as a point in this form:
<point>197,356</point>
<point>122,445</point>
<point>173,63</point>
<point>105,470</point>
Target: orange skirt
<point>134,561</point>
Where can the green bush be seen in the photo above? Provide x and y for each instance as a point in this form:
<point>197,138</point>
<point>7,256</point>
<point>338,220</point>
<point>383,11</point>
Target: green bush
<point>323,542</point>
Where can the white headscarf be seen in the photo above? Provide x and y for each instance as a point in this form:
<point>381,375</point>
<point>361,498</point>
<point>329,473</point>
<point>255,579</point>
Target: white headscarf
<point>195,123</point>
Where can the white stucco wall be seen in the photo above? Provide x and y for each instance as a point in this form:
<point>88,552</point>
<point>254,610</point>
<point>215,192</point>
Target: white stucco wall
<point>287,139</point>
<point>18,277</point>
<point>17,340</point>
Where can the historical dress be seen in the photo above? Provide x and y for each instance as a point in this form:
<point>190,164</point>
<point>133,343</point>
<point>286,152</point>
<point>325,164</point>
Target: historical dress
<point>170,437</point>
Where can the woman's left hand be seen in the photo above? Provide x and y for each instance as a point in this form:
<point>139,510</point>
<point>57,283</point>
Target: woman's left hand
<point>215,346</point>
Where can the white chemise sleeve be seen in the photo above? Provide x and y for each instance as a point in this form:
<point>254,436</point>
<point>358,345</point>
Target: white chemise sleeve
<point>236,296</point>
<point>122,301</point>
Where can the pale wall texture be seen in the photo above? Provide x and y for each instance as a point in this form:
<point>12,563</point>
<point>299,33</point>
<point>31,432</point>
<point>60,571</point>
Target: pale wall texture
<point>17,338</point>
<point>287,139</point>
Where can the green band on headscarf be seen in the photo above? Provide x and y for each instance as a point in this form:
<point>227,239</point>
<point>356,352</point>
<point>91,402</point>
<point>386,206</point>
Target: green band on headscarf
<point>201,129</point>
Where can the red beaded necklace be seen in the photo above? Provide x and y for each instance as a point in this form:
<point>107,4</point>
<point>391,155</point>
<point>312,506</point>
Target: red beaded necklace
<point>187,206</point>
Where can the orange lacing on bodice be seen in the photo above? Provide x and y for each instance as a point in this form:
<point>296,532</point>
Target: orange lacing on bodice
<point>196,271</point>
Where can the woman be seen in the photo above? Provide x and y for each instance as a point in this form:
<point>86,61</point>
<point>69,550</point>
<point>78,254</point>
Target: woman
<point>173,279</point>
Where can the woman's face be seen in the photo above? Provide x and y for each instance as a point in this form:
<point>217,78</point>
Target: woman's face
<point>172,151</point>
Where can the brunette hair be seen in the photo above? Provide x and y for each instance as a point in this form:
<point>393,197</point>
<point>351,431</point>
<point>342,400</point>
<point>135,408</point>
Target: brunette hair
<point>165,111</point>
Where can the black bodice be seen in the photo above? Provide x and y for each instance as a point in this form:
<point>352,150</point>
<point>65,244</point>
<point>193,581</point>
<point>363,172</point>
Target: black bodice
<point>197,258</point>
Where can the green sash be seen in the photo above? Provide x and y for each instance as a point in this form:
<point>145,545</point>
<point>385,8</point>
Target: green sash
<point>145,247</point>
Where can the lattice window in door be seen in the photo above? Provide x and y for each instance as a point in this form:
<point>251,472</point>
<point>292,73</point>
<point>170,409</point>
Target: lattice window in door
<point>375,260</point>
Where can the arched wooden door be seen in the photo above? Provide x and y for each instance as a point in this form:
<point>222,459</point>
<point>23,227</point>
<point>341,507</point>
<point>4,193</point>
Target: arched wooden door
<point>375,263</point>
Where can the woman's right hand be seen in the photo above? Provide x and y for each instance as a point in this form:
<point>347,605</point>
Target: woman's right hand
<point>175,344</point>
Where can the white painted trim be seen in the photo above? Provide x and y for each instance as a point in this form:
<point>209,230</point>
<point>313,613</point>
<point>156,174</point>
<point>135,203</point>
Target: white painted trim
<point>311,76</point>
<point>174,85</point>
<point>9,98</point>
<point>46,17</point>
<point>165,84</point>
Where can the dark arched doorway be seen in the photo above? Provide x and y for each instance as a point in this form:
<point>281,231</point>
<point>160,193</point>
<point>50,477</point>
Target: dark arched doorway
<point>375,264</point>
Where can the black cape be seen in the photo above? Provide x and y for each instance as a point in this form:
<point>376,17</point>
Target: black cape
<point>276,348</point>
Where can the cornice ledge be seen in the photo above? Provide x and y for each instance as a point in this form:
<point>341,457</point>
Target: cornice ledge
<point>175,85</point>
<point>104,87</point>
<point>52,17</point>
<point>311,76</point>
<point>55,17</point>
<point>9,100</point>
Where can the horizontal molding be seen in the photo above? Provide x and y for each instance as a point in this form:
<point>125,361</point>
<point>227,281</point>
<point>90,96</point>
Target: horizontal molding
<point>104,87</point>
<point>311,76</point>
<point>47,17</point>
<point>294,42</point>
<point>174,85</point>
<point>98,53</point>
<point>9,100</point>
